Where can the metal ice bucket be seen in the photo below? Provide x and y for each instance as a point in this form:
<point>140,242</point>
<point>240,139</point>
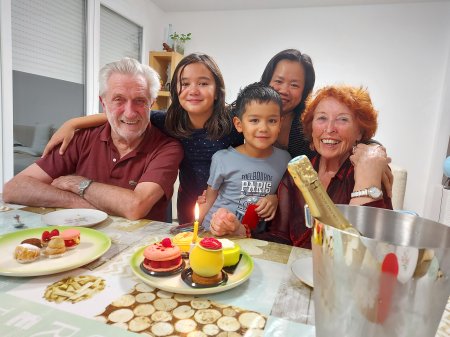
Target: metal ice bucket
<point>391,281</point>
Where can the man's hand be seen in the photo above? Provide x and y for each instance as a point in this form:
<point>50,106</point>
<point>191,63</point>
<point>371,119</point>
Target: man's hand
<point>68,183</point>
<point>267,206</point>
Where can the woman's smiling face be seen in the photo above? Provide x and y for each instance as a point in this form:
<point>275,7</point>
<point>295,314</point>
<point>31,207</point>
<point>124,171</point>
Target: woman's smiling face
<point>334,129</point>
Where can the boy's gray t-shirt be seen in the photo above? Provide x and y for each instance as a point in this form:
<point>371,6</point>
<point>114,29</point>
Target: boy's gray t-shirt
<point>242,180</point>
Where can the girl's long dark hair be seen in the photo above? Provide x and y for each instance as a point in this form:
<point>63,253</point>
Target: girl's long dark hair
<point>177,119</point>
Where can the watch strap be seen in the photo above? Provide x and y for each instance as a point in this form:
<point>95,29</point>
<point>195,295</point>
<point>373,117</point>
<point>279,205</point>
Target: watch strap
<point>371,192</point>
<point>82,187</point>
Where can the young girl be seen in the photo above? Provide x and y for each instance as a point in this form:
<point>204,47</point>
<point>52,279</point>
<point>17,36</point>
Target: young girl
<point>197,117</point>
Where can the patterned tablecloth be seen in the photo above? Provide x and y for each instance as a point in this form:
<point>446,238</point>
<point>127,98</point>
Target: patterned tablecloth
<point>272,302</point>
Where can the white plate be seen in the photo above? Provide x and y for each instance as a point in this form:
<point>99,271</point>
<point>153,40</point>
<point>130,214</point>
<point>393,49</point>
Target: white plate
<point>303,269</point>
<point>93,244</point>
<point>176,285</point>
<point>74,217</point>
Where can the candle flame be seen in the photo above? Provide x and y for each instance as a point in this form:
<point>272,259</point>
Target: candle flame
<point>196,211</point>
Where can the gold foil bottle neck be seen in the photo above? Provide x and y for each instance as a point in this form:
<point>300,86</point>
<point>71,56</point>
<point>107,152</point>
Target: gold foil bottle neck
<point>301,167</point>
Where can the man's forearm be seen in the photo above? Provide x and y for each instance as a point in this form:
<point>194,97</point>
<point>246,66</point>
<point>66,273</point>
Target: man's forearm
<point>123,202</point>
<point>29,191</point>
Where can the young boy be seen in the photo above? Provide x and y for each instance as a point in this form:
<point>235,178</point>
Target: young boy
<point>248,174</point>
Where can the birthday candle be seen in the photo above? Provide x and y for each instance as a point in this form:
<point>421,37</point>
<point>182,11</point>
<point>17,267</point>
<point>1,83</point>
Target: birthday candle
<point>196,213</point>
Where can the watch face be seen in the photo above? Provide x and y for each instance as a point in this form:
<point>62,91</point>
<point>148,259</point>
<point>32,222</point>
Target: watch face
<point>84,183</point>
<point>375,192</point>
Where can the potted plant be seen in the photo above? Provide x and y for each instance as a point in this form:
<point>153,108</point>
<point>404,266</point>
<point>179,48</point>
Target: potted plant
<point>179,41</point>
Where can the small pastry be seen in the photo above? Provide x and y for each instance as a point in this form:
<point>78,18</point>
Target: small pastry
<point>183,240</point>
<point>71,238</point>
<point>25,253</point>
<point>46,236</point>
<point>33,241</point>
<point>162,256</point>
<point>55,247</point>
<point>231,252</point>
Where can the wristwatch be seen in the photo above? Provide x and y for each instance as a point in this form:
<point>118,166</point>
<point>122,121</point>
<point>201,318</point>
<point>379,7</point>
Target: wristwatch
<point>371,192</point>
<point>82,186</point>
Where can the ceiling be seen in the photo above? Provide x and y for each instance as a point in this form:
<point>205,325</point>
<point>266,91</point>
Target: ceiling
<point>224,5</point>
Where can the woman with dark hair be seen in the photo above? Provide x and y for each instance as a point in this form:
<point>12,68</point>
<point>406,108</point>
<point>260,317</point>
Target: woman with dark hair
<point>292,74</point>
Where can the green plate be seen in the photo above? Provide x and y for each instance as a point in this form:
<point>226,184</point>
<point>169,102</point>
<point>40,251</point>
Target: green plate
<point>175,284</point>
<point>93,244</point>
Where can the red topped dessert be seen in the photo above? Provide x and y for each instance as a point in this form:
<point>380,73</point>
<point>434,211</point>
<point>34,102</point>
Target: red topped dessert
<point>46,236</point>
<point>211,243</point>
<point>162,256</point>
<point>71,237</point>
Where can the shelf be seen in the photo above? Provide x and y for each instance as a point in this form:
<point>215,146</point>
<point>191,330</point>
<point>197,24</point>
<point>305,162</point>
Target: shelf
<point>164,63</point>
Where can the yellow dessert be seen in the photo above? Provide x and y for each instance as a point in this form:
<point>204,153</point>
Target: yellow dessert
<point>183,241</point>
<point>206,258</point>
<point>231,252</point>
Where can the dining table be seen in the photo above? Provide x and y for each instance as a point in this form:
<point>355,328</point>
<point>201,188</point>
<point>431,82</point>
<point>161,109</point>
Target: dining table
<point>271,300</point>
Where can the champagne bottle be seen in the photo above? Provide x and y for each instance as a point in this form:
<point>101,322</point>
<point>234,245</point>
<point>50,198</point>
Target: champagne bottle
<point>320,205</point>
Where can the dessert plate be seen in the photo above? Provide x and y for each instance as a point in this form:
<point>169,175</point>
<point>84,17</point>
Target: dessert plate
<point>303,269</point>
<point>175,283</point>
<point>74,217</point>
<point>93,244</point>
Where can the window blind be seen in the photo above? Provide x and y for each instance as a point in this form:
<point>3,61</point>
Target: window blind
<point>48,38</point>
<point>119,37</point>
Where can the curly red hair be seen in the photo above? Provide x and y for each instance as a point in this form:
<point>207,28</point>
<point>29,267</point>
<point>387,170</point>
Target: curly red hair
<point>357,99</point>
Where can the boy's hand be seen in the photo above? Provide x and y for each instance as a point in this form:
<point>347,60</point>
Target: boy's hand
<point>223,222</point>
<point>267,206</point>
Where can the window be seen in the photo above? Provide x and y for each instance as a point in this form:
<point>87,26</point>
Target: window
<point>48,58</point>
<point>119,37</point>
<point>48,61</point>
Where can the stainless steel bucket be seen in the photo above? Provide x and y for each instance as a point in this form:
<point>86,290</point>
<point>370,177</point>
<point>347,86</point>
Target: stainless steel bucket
<point>390,281</point>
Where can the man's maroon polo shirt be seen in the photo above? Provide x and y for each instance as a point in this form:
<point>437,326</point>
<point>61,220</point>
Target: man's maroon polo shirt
<point>92,154</point>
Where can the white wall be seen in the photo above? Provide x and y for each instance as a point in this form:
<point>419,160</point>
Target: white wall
<point>400,52</point>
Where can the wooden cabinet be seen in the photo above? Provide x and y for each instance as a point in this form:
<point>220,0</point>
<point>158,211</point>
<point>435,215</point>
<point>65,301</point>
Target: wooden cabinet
<point>164,63</point>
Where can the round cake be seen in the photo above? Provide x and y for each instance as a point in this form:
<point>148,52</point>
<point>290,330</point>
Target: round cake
<point>231,252</point>
<point>206,261</point>
<point>33,241</point>
<point>55,247</point>
<point>46,236</point>
<point>183,240</point>
<point>26,252</point>
<point>71,237</point>
<point>162,256</point>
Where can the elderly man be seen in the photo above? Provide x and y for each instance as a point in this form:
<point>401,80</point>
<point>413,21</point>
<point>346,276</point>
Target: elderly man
<point>125,167</point>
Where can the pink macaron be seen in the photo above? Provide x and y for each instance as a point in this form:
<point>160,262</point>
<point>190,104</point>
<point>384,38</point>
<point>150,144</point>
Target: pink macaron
<point>162,256</point>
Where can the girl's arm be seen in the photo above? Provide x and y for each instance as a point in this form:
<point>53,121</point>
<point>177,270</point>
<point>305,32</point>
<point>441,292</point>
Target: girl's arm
<point>66,132</point>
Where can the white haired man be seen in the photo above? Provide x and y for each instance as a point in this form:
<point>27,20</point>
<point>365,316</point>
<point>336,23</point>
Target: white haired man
<point>125,167</point>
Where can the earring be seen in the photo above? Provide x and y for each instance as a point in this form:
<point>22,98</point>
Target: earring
<point>311,147</point>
